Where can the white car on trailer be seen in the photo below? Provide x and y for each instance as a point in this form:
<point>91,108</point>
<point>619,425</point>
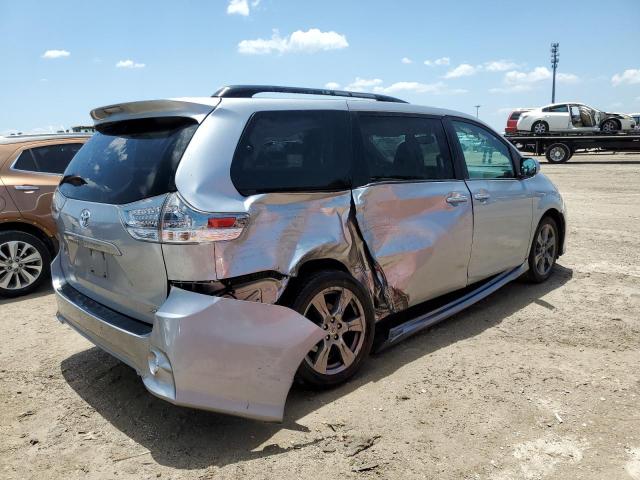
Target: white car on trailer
<point>573,117</point>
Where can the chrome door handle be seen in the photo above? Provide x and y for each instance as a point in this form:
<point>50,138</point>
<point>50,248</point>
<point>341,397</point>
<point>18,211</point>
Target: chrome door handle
<point>26,188</point>
<point>456,199</point>
<point>481,196</point>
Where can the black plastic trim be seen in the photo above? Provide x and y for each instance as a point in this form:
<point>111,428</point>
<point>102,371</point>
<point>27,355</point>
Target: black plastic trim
<point>248,91</point>
<point>105,314</point>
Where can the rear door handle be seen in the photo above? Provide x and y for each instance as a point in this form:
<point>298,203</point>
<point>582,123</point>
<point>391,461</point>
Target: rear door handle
<point>481,196</point>
<point>26,188</point>
<point>456,198</point>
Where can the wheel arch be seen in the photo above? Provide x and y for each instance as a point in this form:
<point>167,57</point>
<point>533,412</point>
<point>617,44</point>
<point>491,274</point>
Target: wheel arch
<point>35,230</point>
<point>558,217</point>
<point>306,268</point>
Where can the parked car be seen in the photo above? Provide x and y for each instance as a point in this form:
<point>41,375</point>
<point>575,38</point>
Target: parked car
<point>220,246</point>
<point>512,120</point>
<point>31,167</point>
<point>573,117</point>
<point>636,118</point>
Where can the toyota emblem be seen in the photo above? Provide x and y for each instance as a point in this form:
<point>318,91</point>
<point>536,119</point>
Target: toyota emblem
<point>85,215</point>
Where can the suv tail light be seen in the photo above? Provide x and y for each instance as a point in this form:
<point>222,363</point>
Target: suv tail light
<point>176,222</point>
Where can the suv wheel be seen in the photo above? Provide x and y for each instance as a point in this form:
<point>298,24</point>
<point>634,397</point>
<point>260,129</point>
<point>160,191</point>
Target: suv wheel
<point>24,263</point>
<point>338,304</point>
<point>544,251</point>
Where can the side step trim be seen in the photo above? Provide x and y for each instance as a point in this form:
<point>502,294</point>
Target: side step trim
<point>417,324</point>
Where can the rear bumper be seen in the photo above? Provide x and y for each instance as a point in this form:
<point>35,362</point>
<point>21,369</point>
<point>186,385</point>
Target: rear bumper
<point>206,352</point>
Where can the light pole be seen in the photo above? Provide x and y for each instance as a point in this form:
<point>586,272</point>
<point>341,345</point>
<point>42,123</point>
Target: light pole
<point>555,58</point>
<point>477,107</point>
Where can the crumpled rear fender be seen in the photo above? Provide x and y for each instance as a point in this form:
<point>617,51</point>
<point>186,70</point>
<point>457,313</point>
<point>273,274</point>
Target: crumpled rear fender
<point>229,355</point>
<point>212,353</point>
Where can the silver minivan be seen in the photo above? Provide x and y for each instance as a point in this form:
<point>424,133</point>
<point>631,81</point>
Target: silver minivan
<point>224,246</point>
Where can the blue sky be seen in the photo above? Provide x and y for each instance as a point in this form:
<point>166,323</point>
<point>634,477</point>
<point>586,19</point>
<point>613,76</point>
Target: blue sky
<point>490,53</point>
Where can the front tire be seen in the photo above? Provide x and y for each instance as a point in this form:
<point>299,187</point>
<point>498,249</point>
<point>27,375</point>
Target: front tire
<point>540,128</point>
<point>609,126</point>
<point>24,263</point>
<point>544,251</point>
<point>338,304</point>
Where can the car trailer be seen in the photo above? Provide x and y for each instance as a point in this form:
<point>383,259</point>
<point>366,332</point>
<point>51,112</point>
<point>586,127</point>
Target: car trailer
<point>560,148</point>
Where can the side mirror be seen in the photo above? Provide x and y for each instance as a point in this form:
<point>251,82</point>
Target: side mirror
<point>529,167</point>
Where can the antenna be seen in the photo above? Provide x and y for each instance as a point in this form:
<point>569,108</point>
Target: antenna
<point>555,58</point>
<point>477,107</point>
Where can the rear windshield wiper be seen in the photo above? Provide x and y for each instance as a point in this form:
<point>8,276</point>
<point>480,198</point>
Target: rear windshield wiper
<point>75,180</point>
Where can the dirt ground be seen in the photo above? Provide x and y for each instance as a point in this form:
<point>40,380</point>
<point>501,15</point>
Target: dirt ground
<point>535,382</point>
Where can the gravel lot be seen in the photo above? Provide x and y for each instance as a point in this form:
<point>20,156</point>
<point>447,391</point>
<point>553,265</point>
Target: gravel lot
<point>534,382</point>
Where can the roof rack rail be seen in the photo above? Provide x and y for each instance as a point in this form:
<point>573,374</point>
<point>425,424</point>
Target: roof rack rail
<point>248,91</point>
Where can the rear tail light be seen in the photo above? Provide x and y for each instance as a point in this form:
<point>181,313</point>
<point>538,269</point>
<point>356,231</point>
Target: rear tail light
<point>176,222</point>
<point>57,203</point>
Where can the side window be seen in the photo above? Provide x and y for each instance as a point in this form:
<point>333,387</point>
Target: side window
<point>293,151</point>
<point>26,162</point>
<point>558,109</point>
<point>485,155</point>
<point>49,159</point>
<point>404,148</point>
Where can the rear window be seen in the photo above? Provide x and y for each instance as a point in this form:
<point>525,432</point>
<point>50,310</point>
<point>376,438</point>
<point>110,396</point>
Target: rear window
<point>284,151</point>
<point>128,161</point>
<point>515,115</point>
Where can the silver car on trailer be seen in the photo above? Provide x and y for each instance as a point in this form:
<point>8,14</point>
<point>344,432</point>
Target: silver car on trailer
<point>223,246</point>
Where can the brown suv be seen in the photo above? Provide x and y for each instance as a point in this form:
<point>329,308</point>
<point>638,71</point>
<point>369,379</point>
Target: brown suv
<point>31,167</point>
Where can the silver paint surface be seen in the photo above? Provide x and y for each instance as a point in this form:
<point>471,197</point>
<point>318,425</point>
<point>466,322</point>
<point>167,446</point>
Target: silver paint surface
<point>134,282</point>
<point>502,226</point>
<point>412,232</point>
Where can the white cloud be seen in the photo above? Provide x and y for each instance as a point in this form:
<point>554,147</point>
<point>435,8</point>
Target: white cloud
<point>438,88</point>
<point>629,77</point>
<point>332,85</point>
<point>376,85</point>
<point>516,77</point>
<point>313,40</point>
<point>462,70</point>
<point>519,81</point>
<point>406,60</point>
<point>567,78</point>
<point>442,61</point>
<point>238,7</point>
<point>363,84</point>
<point>55,54</point>
<point>500,65</point>
<point>129,64</point>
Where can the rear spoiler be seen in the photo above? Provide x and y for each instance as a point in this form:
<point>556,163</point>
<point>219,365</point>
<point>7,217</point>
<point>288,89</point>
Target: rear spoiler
<point>197,109</point>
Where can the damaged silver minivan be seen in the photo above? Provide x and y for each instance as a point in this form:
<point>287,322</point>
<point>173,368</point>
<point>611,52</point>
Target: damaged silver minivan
<point>223,246</point>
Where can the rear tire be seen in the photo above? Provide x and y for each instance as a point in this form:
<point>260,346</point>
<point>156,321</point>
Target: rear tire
<point>544,251</point>
<point>557,153</point>
<point>337,303</point>
<point>24,263</point>
<point>540,128</point>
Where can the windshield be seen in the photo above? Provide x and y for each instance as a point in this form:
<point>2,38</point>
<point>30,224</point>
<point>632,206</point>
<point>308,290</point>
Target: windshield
<point>128,161</point>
